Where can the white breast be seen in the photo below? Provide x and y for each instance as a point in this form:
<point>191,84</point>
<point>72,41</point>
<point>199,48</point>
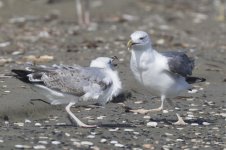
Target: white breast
<point>150,69</point>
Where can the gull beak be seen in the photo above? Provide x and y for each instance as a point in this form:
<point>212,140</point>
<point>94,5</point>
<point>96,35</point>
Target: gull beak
<point>129,44</point>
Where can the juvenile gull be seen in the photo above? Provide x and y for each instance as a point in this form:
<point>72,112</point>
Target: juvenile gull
<point>62,84</point>
<point>162,74</point>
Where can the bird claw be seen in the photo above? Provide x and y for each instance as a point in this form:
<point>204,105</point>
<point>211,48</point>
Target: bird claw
<point>180,121</point>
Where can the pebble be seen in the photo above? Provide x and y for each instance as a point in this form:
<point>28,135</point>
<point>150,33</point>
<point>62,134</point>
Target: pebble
<point>22,146</point>
<point>194,124</point>
<point>206,123</point>
<point>101,117</point>
<point>42,142</point>
<point>147,117</point>
<point>179,140</point>
<point>1,141</point>
<point>5,44</point>
<point>86,143</point>
<point>138,102</point>
<point>193,109</point>
<point>152,124</point>
<point>27,121</point>
<point>77,144</point>
<point>165,111</point>
<point>113,130</point>
<point>67,134</point>
<point>39,147</point>
<point>119,145</point>
<point>38,124</point>
<point>55,142</point>
<point>114,142</point>
<point>160,42</point>
<point>91,136</point>
<point>148,146</point>
<point>128,130</point>
<point>17,52</point>
<point>103,140</point>
<point>168,134</point>
<point>20,124</point>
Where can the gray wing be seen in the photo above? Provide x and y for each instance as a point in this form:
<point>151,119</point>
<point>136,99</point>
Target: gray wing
<point>79,81</point>
<point>179,63</point>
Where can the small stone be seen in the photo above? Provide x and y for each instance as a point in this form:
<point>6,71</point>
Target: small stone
<point>148,146</point>
<point>4,44</point>
<point>194,124</point>
<point>147,117</point>
<point>113,130</point>
<point>87,143</point>
<point>39,147</point>
<point>160,42</point>
<point>206,123</point>
<point>22,146</point>
<point>1,141</point>
<point>20,124</point>
<point>17,52</point>
<point>165,111</point>
<point>114,142</point>
<point>128,130</point>
<point>27,121</point>
<point>67,134</point>
<point>55,142</point>
<point>103,140</point>
<point>42,142</point>
<point>152,124</point>
<point>179,140</point>
<point>91,136</point>
<point>101,117</point>
<point>168,134</point>
<point>119,145</point>
<point>77,144</point>
<point>138,102</point>
<point>38,124</point>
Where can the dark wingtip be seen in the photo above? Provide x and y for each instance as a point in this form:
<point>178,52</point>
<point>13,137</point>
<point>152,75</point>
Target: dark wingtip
<point>21,74</point>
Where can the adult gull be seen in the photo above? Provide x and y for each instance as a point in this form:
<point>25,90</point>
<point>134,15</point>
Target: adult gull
<point>63,84</point>
<point>162,74</point>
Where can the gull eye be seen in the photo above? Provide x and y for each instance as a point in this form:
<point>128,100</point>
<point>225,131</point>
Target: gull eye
<point>141,38</point>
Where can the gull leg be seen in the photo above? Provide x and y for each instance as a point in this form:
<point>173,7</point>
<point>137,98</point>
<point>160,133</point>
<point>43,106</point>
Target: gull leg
<point>144,111</point>
<point>87,12</point>
<point>180,120</point>
<point>79,123</point>
<point>79,12</point>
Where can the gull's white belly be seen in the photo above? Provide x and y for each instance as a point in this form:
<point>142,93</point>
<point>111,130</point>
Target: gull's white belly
<point>159,83</point>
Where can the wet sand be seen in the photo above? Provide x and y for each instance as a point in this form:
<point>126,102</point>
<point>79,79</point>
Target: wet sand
<point>51,29</point>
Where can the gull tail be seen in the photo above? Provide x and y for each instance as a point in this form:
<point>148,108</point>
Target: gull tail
<point>192,80</point>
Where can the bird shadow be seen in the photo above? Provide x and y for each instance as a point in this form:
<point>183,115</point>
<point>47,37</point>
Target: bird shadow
<point>107,125</point>
<point>198,121</point>
<point>122,97</point>
<point>116,125</point>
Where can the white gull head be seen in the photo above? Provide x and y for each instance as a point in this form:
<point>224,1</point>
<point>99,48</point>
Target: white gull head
<point>140,40</point>
<point>103,62</point>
